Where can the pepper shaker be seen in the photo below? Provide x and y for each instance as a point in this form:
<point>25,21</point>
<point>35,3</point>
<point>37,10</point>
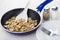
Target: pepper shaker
<point>46,14</point>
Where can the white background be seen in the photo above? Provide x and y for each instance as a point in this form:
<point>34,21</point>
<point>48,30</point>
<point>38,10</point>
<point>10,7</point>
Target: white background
<point>6,5</point>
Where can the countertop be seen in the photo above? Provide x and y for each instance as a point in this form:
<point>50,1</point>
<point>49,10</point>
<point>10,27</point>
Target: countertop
<point>6,5</point>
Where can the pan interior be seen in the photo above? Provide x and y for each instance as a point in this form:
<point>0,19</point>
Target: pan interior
<point>31,13</point>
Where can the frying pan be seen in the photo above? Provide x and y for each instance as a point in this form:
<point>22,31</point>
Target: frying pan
<point>31,13</point>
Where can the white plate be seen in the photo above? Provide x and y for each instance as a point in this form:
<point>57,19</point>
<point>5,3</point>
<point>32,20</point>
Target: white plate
<point>53,25</point>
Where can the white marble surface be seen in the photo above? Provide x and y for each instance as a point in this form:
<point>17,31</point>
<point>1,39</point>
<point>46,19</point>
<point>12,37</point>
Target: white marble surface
<point>6,5</point>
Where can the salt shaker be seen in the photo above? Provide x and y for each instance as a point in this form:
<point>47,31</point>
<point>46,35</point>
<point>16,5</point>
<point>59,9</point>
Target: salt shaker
<point>54,14</point>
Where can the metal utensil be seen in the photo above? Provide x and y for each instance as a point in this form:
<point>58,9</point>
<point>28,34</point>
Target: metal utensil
<point>45,31</point>
<point>49,32</point>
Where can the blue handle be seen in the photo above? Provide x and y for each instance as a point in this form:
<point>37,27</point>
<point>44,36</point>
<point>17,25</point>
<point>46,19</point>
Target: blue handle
<point>42,5</point>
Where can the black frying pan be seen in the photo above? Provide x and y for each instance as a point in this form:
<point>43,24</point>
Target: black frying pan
<point>31,13</point>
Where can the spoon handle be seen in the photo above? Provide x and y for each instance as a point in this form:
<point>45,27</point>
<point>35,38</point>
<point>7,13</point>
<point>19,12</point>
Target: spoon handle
<point>42,5</point>
<point>27,5</point>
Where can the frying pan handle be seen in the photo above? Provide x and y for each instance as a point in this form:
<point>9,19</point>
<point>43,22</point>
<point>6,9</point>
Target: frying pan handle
<point>42,5</point>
